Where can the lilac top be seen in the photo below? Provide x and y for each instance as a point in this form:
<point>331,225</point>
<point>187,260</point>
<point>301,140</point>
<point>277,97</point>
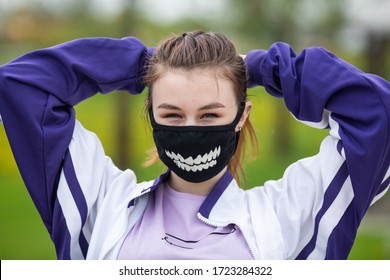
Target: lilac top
<point>170,229</point>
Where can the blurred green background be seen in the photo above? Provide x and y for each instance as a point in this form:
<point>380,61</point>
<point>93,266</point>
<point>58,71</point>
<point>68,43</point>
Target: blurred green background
<point>356,30</point>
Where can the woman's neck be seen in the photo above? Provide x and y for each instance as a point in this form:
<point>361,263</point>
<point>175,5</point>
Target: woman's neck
<point>202,188</point>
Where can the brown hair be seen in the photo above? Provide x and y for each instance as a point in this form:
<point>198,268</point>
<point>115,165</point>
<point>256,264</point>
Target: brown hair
<point>204,50</point>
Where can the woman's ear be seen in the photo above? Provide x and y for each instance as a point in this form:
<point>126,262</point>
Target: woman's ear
<point>245,115</point>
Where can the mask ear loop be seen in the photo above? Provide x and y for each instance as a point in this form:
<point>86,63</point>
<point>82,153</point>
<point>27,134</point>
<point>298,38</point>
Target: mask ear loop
<point>241,109</point>
<point>236,121</point>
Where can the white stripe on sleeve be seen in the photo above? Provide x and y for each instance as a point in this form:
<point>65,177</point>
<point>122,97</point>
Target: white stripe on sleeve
<point>331,218</point>
<point>69,209</point>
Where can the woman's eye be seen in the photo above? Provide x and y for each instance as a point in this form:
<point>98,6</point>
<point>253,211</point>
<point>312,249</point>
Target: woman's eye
<point>172,116</point>
<point>209,116</point>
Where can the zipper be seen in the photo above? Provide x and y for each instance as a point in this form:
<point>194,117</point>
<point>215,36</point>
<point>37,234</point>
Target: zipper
<point>126,222</point>
<point>122,232</point>
<point>207,222</point>
<point>125,225</point>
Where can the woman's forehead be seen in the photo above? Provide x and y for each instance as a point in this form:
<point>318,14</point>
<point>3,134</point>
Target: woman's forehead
<point>177,87</point>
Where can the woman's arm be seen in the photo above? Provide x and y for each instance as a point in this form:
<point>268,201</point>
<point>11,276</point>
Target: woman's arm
<point>37,95</point>
<point>336,187</point>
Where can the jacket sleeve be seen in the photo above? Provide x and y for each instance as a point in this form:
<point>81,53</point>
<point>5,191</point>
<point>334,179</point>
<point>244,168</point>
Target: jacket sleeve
<point>37,95</point>
<point>320,201</point>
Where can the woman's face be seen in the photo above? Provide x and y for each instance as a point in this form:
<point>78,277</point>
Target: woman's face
<point>197,97</point>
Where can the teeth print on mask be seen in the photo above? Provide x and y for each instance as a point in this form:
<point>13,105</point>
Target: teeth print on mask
<point>199,163</point>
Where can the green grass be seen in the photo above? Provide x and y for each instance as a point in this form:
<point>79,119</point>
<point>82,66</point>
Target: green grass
<point>373,239</point>
<point>23,236</point>
<point>371,245</point>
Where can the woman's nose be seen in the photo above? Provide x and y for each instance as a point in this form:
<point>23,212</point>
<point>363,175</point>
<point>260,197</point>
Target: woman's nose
<point>190,122</point>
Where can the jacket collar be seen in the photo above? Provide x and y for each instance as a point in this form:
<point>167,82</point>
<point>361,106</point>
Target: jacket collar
<point>226,194</point>
<point>224,205</point>
<point>215,194</point>
<point>161,179</point>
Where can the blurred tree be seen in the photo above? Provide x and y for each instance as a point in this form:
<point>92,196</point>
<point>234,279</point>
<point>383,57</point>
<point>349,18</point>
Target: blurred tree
<point>128,20</point>
<point>2,23</point>
<point>377,51</point>
<point>371,22</point>
<point>80,8</point>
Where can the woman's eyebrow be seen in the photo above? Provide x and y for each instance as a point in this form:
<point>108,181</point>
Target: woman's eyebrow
<point>214,105</point>
<point>168,106</point>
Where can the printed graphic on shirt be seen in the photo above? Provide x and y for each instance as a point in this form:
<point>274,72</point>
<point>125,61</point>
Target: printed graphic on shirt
<point>197,163</point>
<point>192,244</point>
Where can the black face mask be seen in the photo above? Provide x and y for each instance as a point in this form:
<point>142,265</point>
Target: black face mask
<point>196,153</point>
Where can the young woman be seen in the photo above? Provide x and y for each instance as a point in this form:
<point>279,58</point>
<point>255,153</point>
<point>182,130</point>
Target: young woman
<point>198,109</point>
